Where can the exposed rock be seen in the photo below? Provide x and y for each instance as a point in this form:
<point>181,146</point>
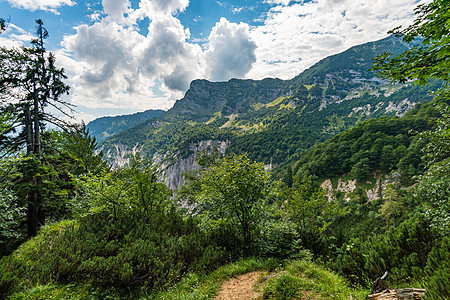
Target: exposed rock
<point>172,169</point>
<point>120,154</point>
<point>397,294</point>
<point>377,191</point>
<point>400,108</point>
<point>349,186</point>
<point>328,187</point>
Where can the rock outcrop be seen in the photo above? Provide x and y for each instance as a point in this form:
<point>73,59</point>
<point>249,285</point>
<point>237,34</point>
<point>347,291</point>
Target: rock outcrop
<point>348,186</point>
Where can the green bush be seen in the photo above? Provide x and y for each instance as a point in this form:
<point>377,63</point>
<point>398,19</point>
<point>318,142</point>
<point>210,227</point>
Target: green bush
<point>11,274</point>
<point>279,239</point>
<point>285,286</point>
<point>402,251</point>
<point>437,280</point>
<point>122,252</point>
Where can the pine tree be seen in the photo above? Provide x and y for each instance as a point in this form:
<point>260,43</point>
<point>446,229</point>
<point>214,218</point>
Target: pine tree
<point>29,83</point>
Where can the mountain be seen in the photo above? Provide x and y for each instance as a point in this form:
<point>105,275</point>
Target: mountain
<point>206,99</point>
<point>274,121</point>
<point>104,127</point>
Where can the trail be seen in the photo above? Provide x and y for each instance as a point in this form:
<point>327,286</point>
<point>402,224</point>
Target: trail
<point>239,288</point>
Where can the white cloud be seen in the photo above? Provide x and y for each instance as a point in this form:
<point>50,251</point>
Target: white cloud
<point>283,2</point>
<point>113,65</point>
<point>170,6</point>
<point>155,8</point>
<point>166,53</point>
<point>116,8</point>
<point>231,51</point>
<point>297,36</point>
<point>46,5</point>
<point>14,37</point>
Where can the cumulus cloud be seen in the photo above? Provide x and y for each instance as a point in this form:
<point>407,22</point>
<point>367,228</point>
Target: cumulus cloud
<point>113,65</point>
<point>166,52</point>
<point>116,66</point>
<point>105,49</point>
<point>116,8</point>
<point>170,6</point>
<point>153,9</point>
<point>296,36</point>
<point>46,5</point>
<point>231,51</point>
<point>14,37</point>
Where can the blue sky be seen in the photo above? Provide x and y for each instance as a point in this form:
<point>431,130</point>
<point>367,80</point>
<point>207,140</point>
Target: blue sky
<point>123,56</point>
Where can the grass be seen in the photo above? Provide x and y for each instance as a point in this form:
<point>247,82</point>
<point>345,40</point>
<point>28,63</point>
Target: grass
<point>206,286</point>
<point>291,279</point>
<point>257,106</point>
<point>275,102</point>
<point>307,280</point>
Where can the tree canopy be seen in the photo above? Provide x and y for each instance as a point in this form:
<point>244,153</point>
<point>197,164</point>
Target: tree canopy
<point>429,59</point>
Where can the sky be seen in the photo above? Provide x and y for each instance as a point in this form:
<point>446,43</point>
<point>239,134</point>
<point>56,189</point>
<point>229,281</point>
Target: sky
<point>125,56</point>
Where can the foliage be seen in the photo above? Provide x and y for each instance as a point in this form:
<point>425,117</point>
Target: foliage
<point>31,82</point>
<point>76,142</point>
<point>437,270</point>
<point>117,192</point>
<point>311,212</point>
<point>105,127</point>
<point>391,208</point>
<point>232,193</point>
<point>2,25</point>
<point>11,216</point>
<point>383,145</point>
<point>137,239</point>
<point>434,185</point>
<point>302,277</point>
<point>279,238</point>
<point>402,251</point>
<point>428,60</point>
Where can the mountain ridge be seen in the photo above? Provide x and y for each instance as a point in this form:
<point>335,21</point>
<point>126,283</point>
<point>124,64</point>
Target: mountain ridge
<point>272,120</point>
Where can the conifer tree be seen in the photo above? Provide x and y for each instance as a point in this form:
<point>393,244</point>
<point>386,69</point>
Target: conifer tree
<point>30,82</point>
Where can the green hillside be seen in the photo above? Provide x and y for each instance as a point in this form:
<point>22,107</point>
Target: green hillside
<point>310,188</point>
<point>104,127</point>
<point>272,120</point>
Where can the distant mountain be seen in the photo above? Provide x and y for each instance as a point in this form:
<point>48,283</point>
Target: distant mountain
<point>104,127</point>
<point>274,121</point>
<point>206,99</point>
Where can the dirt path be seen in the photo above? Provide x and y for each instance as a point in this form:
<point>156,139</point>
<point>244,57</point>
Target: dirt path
<point>239,288</point>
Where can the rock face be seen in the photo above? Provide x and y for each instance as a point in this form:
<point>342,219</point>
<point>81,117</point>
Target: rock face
<point>205,98</point>
<point>172,172</point>
<point>171,167</point>
<point>349,186</point>
<point>120,154</point>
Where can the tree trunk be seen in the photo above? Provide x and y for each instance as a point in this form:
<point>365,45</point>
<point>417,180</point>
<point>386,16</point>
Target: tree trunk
<point>35,214</point>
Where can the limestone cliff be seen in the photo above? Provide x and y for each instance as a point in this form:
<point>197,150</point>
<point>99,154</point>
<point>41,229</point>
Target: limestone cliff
<point>172,169</point>
<point>375,190</point>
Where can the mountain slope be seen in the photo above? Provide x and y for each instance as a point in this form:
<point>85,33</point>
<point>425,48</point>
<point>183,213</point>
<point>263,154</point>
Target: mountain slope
<point>273,120</point>
<point>104,127</point>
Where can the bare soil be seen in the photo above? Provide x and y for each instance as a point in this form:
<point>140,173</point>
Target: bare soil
<point>240,288</point>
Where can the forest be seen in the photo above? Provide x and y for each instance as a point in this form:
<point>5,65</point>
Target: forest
<point>74,227</point>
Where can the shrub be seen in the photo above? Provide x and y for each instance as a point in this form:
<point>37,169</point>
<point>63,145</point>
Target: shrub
<point>279,239</point>
<point>402,251</point>
<point>437,271</point>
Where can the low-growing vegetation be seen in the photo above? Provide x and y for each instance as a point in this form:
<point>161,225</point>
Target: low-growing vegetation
<point>71,227</point>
